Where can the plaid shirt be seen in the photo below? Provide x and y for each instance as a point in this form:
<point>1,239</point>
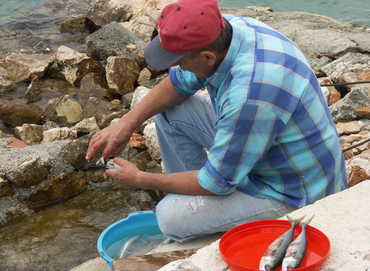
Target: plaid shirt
<point>275,137</point>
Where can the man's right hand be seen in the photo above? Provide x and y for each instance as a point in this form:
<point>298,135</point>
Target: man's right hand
<point>111,140</point>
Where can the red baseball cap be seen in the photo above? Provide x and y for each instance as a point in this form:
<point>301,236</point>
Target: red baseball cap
<point>184,26</point>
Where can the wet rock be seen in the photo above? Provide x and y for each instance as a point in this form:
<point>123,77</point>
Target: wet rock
<point>77,23</point>
<point>56,189</point>
<point>5,83</point>
<point>358,168</point>
<point>59,134</point>
<point>11,209</point>
<point>48,87</point>
<point>74,65</point>
<point>5,189</point>
<point>115,40</point>
<point>17,114</point>
<point>122,73</point>
<point>30,133</point>
<point>22,67</point>
<point>152,141</point>
<point>69,108</point>
<point>350,62</point>
<point>353,105</point>
<point>331,93</point>
<point>86,126</point>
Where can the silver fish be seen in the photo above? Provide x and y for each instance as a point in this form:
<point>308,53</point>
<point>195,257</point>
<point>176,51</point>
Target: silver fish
<point>276,250</point>
<point>106,164</point>
<point>296,250</point>
<point>127,245</point>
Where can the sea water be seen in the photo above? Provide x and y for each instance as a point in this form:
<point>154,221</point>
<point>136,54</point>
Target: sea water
<point>10,8</point>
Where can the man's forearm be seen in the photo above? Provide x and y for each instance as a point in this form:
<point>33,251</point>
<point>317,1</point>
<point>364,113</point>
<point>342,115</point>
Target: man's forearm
<point>178,183</point>
<point>161,97</point>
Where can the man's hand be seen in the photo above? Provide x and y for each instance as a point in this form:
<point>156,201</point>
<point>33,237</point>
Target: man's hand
<point>127,174</point>
<point>111,140</point>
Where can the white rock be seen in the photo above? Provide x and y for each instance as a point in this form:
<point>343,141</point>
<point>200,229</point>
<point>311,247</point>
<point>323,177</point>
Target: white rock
<point>59,134</point>
<point>69,108</point>
<point>87,125</point>
<point>152,141</point>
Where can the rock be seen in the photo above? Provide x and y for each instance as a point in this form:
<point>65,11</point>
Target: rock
<point>358,168</point>
<point>74,65</point>
<point>152,141</point>
<point>74,153</point>
<point>115,40</point>
<point>69,108</point>
<point>77,23</point>
<point>144,78</point>
<point>11,209</point>
<point>353,106</point>
<point>30,133</point>
<point>86,126</point>
<point>141,160</point>
<point>350,62</point>
<point>5,189</point>
<point>355,77</point>
<point>107,118</point>
<point>21,67</point>
<point>350,127</point>
<point>5,83</point>
<point>363,112</point>
<point>53,87</point>
<point>181,265</point>
<point>107,11</point>
<point>331,93</point>
<point>18,114</point>
<point>56,189</point>
<point>96,175</point>
<point>27,172</point>
<point>122,73</point>
<point>59,134</point>
<point>16,143</point>
<point>139,93</point>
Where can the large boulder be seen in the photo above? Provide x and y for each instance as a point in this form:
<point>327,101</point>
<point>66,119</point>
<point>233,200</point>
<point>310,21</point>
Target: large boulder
<point>115,40</point>
<point>18,114</point>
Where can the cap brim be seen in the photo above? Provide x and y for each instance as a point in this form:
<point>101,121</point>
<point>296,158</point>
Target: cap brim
<point>158,58</point>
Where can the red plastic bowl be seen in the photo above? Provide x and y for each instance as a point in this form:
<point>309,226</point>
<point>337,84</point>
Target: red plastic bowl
<point>242,247</point>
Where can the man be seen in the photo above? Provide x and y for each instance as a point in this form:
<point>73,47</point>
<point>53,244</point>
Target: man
<point>263,146</point>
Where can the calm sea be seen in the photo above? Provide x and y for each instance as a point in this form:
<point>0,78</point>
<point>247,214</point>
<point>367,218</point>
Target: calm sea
<point>353,11</point>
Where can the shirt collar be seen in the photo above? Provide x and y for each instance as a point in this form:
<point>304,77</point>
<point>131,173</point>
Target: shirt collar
<point>219,76</point>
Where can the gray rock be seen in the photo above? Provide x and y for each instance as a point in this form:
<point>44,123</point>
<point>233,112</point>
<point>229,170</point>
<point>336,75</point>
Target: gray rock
<point>348,107</point>
<point>5,83</point>
<point>11,209</point>
<point>115,40</point>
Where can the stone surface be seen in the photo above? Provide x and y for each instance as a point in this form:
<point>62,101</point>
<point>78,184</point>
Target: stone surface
<point>349,249</point>
<point>86,126</point>
<point>75,65</point>
<point>22,67</point>
<point>75,24</point>
<point>331,93</point>
<point>11,209</point>
<point>5,83</point>
<point>5,188</point>
<point>122,73</point>
<point>352,106</point>
<point>30,133</point>
<point>350,127</point>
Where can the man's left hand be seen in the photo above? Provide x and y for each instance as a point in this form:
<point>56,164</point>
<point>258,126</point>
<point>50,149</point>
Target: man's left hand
<point>127,174</point>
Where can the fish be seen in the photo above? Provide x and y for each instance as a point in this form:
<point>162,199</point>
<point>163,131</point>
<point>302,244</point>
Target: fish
<point>127,245</point>
<point>106,164</point>
<point>296,250</point>
<point>276,250</point>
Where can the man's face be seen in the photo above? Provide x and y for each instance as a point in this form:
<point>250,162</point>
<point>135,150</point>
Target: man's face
<point>199,64</point>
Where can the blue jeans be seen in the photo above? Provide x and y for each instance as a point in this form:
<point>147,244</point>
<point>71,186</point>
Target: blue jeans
<point>185,132</point>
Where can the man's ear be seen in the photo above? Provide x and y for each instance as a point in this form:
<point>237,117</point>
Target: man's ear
<point>210,57</point>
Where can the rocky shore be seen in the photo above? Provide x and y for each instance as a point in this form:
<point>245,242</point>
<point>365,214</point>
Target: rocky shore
<point>54,96</point>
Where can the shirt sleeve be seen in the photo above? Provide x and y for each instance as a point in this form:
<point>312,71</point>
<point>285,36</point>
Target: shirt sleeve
<point>186,82</point>
<point>244,132</point>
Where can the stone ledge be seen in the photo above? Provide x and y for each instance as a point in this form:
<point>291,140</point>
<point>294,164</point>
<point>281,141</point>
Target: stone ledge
<point>343,217</point>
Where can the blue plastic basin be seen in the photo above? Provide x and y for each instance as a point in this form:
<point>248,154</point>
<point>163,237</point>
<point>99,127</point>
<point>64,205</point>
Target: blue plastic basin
<point>139,223</point>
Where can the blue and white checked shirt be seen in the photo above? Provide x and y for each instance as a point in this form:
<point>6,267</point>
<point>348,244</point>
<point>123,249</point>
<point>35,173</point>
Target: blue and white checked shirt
<point>275,137</point>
